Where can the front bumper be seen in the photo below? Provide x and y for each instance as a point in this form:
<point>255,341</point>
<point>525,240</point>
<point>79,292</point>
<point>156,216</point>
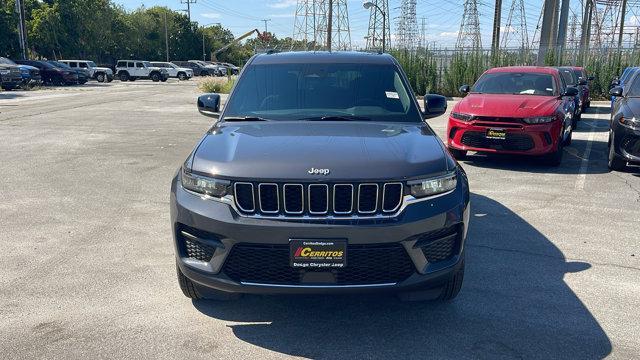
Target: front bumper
<point>405,231</point>
<point>522,139</point>
<point>626,143</point>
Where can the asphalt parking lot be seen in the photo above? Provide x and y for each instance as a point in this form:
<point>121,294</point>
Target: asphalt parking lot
<point>88,269</point>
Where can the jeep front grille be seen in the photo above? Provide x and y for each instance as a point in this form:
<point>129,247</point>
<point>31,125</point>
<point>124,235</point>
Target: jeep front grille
<point>314,199</point>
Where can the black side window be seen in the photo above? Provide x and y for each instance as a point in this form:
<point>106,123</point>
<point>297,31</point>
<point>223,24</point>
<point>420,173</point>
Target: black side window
<point>122,64</point>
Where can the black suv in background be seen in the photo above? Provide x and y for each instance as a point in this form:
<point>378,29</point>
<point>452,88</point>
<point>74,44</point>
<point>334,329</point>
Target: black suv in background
<point>52,74</point>
<point>321,175</point>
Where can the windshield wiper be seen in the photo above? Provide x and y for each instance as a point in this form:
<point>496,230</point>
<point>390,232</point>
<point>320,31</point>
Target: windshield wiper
<point>244,118</point>
<point>336,118</point>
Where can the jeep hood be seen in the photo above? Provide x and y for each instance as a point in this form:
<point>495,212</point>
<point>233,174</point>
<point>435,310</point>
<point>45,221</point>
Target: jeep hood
<point>502,105</point>
<point>103,69</point>
<point>351,151</point>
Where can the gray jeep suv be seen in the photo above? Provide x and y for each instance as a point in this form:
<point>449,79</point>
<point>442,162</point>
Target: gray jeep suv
<point>321,175</point>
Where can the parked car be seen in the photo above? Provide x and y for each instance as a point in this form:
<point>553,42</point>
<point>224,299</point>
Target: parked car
<point>52,74</point>
<point>627,73</point>
<point>213,70</point>
<point>83,74</point>
<point>234,69</point>
<point>624,132</point>
<point>198,68</point>
<point>101,74</point>
<point>174,70</point>
<point>571,80</point>
<point>284,193</point>
<point>10,76</point>
<point>524,110</point>
<point>30,76</point>
<point>583,86</point>
<point>131,70</point>
<point>220,69</point>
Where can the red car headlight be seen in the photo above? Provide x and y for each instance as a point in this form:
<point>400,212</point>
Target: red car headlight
<point>539,119</point>
<point>461,116</point>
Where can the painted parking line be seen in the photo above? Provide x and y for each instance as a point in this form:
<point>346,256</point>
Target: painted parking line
<point>601,114</point>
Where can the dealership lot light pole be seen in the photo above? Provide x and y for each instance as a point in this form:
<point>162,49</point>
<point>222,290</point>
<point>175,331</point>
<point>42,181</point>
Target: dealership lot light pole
<point>367,5</point>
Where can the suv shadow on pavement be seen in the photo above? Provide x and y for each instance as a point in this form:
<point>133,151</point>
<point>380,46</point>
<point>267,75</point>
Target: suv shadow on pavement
<point>514,304</point>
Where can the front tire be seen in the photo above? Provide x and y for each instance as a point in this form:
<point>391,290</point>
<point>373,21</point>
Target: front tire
<point>124,76</point>
<point>182,76</point>
<point>155,77</point>
<point>555,158</point>
<point>193,291</point>
<point>100,77</point>
<point>615,162</point>
<point>447,292</point>
<point>458,154</point>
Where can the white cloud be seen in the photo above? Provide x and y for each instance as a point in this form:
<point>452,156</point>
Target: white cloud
<point>282,4</point>
<point>280,16</point>
<point>211,15</point>
<point>449,34</point>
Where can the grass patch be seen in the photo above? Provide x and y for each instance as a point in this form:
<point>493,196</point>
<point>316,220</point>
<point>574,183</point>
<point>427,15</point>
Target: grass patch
<point>220,85</point>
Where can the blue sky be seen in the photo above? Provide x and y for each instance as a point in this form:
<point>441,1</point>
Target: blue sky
<point>442,17</point>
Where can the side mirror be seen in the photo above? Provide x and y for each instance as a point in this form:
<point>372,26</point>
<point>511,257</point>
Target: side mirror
<point>209,105</point>
<point>582,81</point>
<point>570,91</point>
<point>591,78</point>
<point>464,89</point>
<point>434,105</point>
<point>616,91</point>
<point>615,82</point>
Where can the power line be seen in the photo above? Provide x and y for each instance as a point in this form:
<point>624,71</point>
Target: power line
<point>188,10</point>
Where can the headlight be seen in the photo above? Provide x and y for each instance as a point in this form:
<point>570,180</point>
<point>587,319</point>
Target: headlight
<point>204,185</point>
<point>632,122</point>
<point>433,186</point>
<point>461,116</point>
<point>539,119</point>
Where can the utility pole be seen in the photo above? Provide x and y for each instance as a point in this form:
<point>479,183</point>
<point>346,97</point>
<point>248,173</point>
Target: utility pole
<point>188,10</point>
<point>497,17</point>
<point>546,32</point>
<point>562,29</point>
<point>166,36</point>
<point>265,24</point>
<point>585,37</point>
<point>22,29</point>
<point>623,12</point>
<point>329,25</point>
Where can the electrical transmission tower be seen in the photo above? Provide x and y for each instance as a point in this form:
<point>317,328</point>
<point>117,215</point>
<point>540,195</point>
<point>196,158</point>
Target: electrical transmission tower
<point>376,21</point>
<point>407,25</point>
<point>516,27</point>
<point>311,24</point>
<point>469,37</point>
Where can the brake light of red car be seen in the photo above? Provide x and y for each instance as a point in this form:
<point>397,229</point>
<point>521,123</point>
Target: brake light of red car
<point>539,119</point>
<point>462,117</point>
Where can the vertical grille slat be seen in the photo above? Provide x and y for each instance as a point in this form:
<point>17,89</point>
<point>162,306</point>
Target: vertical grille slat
<point>367,198</point>
<point>342,198</point>
<point>268,197</point>
<point>313,199</point>
<point>318,198</point>
<point>293,198</point>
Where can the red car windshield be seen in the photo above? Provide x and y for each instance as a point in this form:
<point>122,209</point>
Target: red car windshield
<point>518,83</point>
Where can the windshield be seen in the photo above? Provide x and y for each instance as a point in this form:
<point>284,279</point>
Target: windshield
<point>60,65</point>
<point>4,60</point>
<point>634,88</point>
<point>324,91</point>
<point>91,64</point>
<point>568,77</point>
<point>516,83</point>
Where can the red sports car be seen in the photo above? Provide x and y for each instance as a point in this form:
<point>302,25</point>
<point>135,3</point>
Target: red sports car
<point>514,110</point>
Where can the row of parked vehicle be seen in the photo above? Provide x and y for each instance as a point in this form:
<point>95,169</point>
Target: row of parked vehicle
<point>29,73</point>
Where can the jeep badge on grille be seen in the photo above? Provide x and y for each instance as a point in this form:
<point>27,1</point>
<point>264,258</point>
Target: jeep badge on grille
<point>314,171</point>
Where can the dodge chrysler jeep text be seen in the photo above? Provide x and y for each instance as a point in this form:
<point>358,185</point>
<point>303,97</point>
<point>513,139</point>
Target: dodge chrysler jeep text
<point>320,176</point>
